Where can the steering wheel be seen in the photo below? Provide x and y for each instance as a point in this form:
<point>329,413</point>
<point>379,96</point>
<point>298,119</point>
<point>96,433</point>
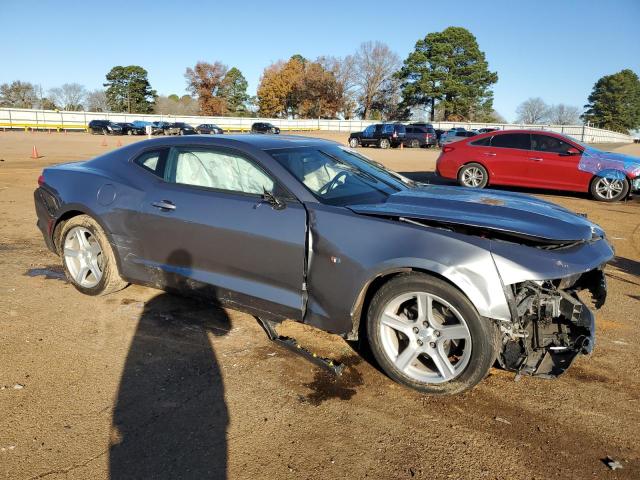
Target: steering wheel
<point>333,183</point>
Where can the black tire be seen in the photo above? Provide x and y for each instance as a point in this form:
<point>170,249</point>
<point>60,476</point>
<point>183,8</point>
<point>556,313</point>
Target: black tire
<point>354,143</point>
<point>111,280</point>
<point>484,334</point>
<point>129,132</point>
<point>384,143</point>
<point>600,192</point>
<point>465,176</point>
<point>415,143</point>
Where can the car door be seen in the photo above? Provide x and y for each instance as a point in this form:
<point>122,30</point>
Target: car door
<point>553,166</point>
<point>367,135</point>
<point>207,224</point>
<point>508,158</point>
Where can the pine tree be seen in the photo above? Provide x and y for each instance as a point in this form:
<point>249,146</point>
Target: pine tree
<point>614,103</point>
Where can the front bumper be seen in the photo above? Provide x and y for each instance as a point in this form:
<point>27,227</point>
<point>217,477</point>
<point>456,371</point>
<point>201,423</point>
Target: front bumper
<point>552,324</point>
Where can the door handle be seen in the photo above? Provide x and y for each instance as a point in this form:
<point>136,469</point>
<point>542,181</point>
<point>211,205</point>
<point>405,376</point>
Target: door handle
<point>164,205</point>
<point>535,159</point>
<point>489,154</point>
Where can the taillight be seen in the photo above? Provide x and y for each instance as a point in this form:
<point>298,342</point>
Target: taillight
<point>447,149</point>
<point>41,180</point>
<point>395,134</point>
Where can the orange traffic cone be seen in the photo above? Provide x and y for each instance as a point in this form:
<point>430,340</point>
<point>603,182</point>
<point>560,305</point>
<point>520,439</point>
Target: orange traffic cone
<point>34,152</point>
<point>104,142</point>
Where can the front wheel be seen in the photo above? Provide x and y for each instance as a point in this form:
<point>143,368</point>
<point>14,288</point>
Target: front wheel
<point>353,143</point>
<point>609,188</point>
<point>473,175</point>
<point>384,143</point>
<point>427,335</point>
<point>87,257</point>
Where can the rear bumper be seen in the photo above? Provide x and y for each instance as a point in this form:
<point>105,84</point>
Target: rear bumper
<point>45,205</point>
<point>635,184</point>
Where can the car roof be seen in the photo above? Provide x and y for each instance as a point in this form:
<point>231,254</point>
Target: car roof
<point>262,142</point>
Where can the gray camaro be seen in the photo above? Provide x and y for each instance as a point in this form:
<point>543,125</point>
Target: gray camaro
<point>441,281</point>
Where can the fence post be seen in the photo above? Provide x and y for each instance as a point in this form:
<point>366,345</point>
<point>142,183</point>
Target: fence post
<point>582,139</point>
<point>10,121</point>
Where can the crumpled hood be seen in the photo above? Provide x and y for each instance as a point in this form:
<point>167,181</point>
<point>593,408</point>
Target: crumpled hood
<point>597,161</point>
<point>505,212</point>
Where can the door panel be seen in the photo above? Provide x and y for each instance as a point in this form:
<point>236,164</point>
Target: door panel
<point>553,168</point>
<point>253,254</point>
<point>508,159</point>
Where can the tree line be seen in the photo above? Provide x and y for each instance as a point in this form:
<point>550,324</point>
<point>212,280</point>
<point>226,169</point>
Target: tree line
<point>445,77</point>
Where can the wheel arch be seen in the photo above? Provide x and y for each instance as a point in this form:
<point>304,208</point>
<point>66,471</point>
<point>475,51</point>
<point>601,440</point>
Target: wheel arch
<point>370,288</point>
<point>617,173</point>
<point>479,162</point>
<point>75,211</point>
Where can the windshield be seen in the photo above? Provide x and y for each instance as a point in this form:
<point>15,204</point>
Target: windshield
<point>338,176</point>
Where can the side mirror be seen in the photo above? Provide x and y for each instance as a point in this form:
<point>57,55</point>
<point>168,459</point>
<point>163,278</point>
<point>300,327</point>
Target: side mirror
<point>272,200</point>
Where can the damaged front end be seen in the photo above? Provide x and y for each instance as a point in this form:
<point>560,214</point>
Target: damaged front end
<point>551,325</point>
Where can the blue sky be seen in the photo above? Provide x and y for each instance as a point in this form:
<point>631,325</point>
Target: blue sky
<point>552,49</point>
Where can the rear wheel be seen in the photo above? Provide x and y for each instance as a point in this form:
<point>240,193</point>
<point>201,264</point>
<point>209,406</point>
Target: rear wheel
<point>384,143</point>
<point>426,334</point>
<point>473,175</point>
<point>353,143</point>
<point>87,257</point>
<point>104,131</point>
<point>415,143</point>
<point>609,188</point>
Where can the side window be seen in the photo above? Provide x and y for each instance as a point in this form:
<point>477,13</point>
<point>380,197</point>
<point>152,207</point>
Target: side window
<point>483,142</point>
<point>153,161</point>
<point>369,130</point>
<point>547,143</point>
<point>512,140</point>
<point>387,129</point>
<point>220,170</point>
<point>411,129</point>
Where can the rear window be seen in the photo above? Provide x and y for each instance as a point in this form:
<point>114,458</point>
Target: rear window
<point>512,140</point>
<point>483,142</point>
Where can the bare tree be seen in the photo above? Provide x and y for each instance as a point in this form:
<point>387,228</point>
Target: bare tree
<point>343,70</point>
<point>374,64</point>
<point>563,114</point>
<point>533,111</point>
<point>96,101</point>
<point>69,96</point>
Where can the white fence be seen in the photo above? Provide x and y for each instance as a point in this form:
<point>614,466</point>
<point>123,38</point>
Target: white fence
<point>11,118</point>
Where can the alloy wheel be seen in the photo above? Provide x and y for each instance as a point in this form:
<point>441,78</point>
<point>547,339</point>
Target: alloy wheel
<point>472,177</point>
<point>83,257</point>
<point>609,188</point>
<point>425,337</point>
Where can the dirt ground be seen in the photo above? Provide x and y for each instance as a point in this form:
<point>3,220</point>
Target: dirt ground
<point>142,384</point>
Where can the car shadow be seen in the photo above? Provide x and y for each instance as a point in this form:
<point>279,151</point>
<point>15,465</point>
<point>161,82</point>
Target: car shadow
<point>626,265</point>
<point>170,417</point>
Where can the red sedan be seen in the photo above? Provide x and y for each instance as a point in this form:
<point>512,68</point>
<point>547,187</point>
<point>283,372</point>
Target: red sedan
<point>539,159</point>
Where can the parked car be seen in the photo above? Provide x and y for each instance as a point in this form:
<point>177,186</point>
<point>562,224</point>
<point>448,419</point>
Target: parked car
<point>264,127</point>
<point>131,129</point>
<point>383,135</point>
<point>180,128</point>
<point>421,124</point>
<point>209,128</point>
<point>487,129</point>
<point>160,128</point>
<point>417,136</point>
<point>440,280</point>
<point>539,159</point>
<point>439,133</point>
<point>105,127</point>
<point>455,135</point>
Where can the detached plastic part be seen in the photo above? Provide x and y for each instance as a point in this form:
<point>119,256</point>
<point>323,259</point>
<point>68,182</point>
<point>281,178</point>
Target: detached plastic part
<point>290,343</point>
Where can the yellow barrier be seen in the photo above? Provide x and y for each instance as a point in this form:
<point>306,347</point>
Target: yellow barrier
<point>43,126</point>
